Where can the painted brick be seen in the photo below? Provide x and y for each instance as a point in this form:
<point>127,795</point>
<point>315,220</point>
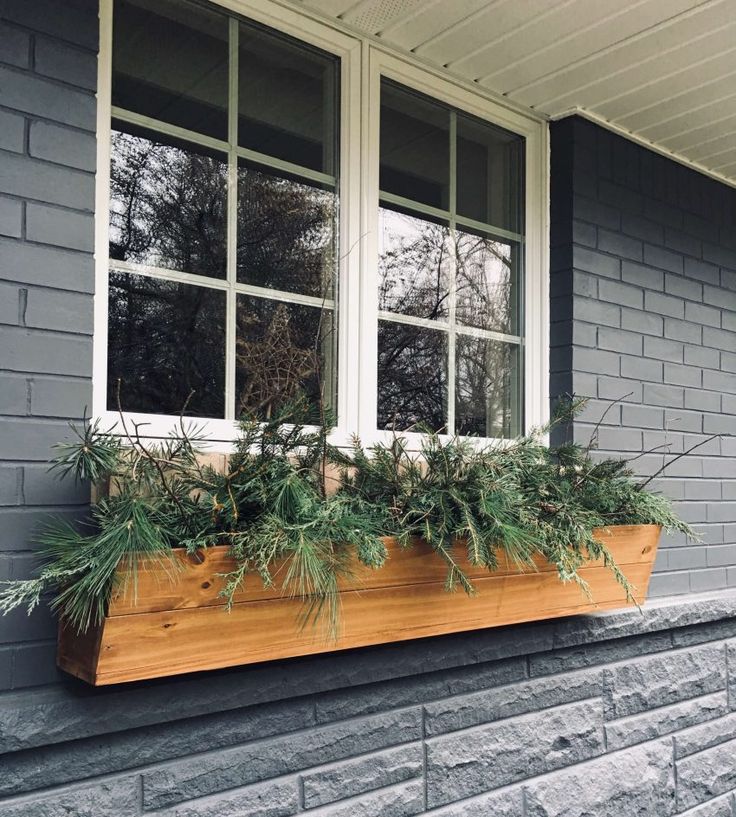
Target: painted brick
<point>470,762</point>
<point>622,294</point>
<point>617,340</point>
<point>643,276</point>
<point>65,146</point>
<point>644,369</point>
<point>664,259</point>
<point>664,305</point>
<point>23,350</point>
<point>62,228</point>
<point>45,182</point>
<point>26,439</point>
<point>644,322</point>
<point>662,349</point>
<point>13,394</point>
<point>596,262</point>
<point>620,245</point>
<point>46,266</point>
<point>11,217</point>
<point>76,22</point>
<point>62,311</point>
<point>51,397</point>
<point>61,61</point>
<point>10,305</point>
<point>15,46</point>
<point>702,271</point>
<point>12,130</point>
<point>701,356</point>
<point>702,400</point>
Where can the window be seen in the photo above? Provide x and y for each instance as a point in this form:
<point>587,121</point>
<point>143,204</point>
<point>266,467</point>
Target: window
<point>450,257</point>
<point>223,205</point>
<point>278,215</point>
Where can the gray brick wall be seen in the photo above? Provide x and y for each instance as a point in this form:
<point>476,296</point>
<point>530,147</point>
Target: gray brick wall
<point>643,286</point>
<point>609,716</point>
<point>47,162</point>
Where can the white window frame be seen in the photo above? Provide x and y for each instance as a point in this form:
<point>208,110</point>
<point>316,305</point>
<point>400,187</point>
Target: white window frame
<point>363,64</point>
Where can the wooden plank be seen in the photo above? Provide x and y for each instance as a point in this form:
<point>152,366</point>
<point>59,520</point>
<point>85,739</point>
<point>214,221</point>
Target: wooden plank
<point>78,653</point>
<point>135,647</point>
<point>197,582</point>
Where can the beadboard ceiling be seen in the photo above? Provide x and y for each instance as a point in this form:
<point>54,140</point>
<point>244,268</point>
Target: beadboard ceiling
<point>661,70</point>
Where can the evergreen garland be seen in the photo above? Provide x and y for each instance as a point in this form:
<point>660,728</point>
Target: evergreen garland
<point>272,506</point>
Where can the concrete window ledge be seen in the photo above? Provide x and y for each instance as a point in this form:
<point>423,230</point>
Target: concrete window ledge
<point>72,710</point>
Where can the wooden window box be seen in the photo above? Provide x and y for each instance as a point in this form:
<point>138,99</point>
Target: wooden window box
<point>178,623</point>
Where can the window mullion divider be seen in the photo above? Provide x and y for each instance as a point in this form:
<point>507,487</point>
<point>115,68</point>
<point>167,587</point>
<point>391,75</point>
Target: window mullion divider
<point>232,224</point>
<point>452,256</point>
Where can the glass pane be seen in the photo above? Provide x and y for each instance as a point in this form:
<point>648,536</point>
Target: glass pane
<point>170,63</point>
<point>489,174</point>
<point>286,234</point>
<point>167,204</point>
<point>413,266</point>
<point>487,398</point>
<point>415,147</point>
<point>412,377</point>
<point>165,341</point>
<point>287,100</point>
<point>283,350</point>
<point>487,283</point>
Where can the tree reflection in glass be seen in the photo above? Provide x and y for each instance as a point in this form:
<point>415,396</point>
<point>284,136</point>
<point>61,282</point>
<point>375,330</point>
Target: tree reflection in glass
<point>286,233</point>
<point>413,266</point>
<point>486,387</point>
<point>486,283</point>
<point>412,377</point>
<point>166,344</point>
<point>167,204</point>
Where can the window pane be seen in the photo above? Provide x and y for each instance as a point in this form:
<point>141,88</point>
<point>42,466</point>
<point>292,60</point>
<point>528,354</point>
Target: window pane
<point>167,204</point>
<point>489,174</point>
<point>287,100</point>
<point>487,283</point>
<point>415,147</point>
<point>170,63</point>
<point>283,350</point>
<point>412,377</point>
<point>165,341</point>
<point>413,266</point>
<point>487,399</point>
<point>286,234</point>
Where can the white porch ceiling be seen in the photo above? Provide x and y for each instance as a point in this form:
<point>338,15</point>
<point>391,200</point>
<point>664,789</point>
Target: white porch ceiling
<point>662,70</point>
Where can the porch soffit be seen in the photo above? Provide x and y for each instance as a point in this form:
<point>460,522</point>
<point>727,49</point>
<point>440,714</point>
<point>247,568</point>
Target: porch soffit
<point>662,71</point>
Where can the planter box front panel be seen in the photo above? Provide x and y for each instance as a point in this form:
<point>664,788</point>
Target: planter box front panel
<point>175,622</point>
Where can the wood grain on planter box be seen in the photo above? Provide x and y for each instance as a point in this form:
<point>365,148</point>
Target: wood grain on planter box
<point>172,621</point>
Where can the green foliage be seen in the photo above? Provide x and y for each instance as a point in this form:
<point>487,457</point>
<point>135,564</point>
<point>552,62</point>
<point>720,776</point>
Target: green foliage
<point>272,506</point>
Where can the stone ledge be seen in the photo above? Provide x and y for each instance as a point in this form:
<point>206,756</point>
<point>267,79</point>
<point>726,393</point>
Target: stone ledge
<point>72,710</point>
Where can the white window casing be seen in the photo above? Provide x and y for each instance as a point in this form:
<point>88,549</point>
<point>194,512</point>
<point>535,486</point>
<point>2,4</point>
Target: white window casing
<point>363,63</point>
